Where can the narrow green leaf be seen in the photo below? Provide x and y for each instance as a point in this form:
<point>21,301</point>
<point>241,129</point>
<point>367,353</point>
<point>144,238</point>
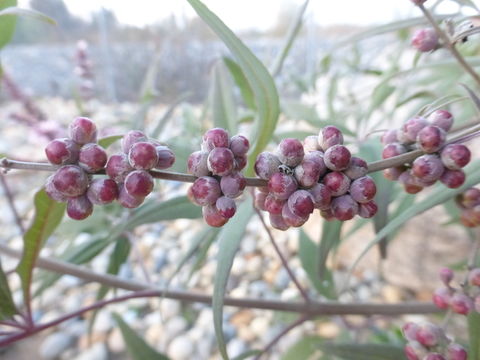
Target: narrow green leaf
<point>77,255</point>
<point>247,354</point>
<point>307,348</point>
<point>330,239</point>
<point>48,215</point>
<point>439,195</point>
<point>474,335</point>
<point>16,11</point>
<point>261,82</point>
<point>202,253</point>
<point>106,141</point>
<point>242,82</point>
<point>475,99</point>
<point>365,351</point>
<point>7,306</point>
<point>136,346</point>
<point>221,99</point>
<point>7,23</point>
<point>308,253</point>
<point>228,244</point>
<point>168,114</point>
<point>293,31</point>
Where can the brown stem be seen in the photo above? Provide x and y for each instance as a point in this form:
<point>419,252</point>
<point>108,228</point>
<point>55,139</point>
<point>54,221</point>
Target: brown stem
<point>284,261</point>
<point>281,334</point>
<point>313,308</point>
<point>447,43</point>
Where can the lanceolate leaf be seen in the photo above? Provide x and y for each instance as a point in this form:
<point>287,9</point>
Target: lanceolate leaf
<point>439,195</point>
<point>330,239</point>
<point>105,142</point>
<point>306,348</point>
<point>221,99</point>
<point>14,11</point>
<point>365,351</point>
<point>474,335</point>
<point>48,214</point>
<point>242,82</point>
<point>228,244</point>
<point>7,23</point>
<point>7,306</point>
<point>473,96</point>
<point>257,75</point>
<point>136,346</point>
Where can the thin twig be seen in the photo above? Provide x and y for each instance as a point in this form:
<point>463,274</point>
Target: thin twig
<point>281,334</point>
<point>313,308</point>
<point>11,204</point>
<point>449,46</point>
<point>284,261</point>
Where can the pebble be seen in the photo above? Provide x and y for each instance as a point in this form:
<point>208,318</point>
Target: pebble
<point>169,308</point>
<point>103,322</point>
<point>175,326</point>
<point>54,344</point>
<point>235,347</point>
<point>97,352</point>
<point>181,348</point>
<point>115,341</point>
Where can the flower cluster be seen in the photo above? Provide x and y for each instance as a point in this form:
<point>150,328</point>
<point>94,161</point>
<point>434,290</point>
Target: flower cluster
<point>428,341</point>
<point>440,162</point>
<point>218,167</point>
<point>318,174</point>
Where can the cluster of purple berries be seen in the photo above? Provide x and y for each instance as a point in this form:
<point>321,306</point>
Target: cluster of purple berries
<point>429,342</point>
<point>130,168</point>
<point>318,174</point>
<point>217,166</point>
<point>425,40</point>
<point>79,156</point>
<point>460,300</point>
<point>469,204</point>
<point>440,162</point>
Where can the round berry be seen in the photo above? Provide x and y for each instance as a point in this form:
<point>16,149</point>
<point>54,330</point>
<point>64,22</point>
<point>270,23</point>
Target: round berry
<point>226,206</point>
<point>301,203</point>
<point>456,352</point>
<point>307,173</point>
<point>290,152</point>
<point>118,167</point>
<point>143,155</point>
<point>409,183</point>
<point>240,162</point>
<point>327,214</point>
<point>410,330</point>
<point>344,208</point>
<point>139,183</point>
<point>220,161</point>
<point>357,168</point>
<point>431,138</point>
<point>102,191</point>
<point>363,189</point>
<point>214,138</point>
<point>79,208</point>
<point>441,298</point>
<point>266,165</point>
<point>52,192</point>
<point>233,185</point>
<point>471,217</point>
<point>206,190</point>
<point>455,156</point>
<point>321,195</point>
<point>337,158</point>
<point>442,118</point>
<point>278,222</point>
<point>132,137</point>
<point>394,173</point>
<point>469,198</point>
<point>92,157</point>
<point>414,350</point>
<point>367,210</point>
<point>128,201</point>
<point>70,181</point>
<point>425,40</point>
<point>239,145</point>
<point>428,168</point>
<point>292,219</point>
<point>273,205</point>
<point>453,178</point>
<point>461,304</point>
<point>282,185</point>
<point>338,183</point>
<point>310,143</point>
<point>393,149</point>
<point>389,136</point>
<point>197,163</point>
<point>83,131</point>
<point>213,217</point>
<point>474,277</point>
<point>434,356</point>
<point>62,151</point>
<point>446,275</point>
<point>329,136</point>
<point>429,334</point>
<point>317,156</point>
<point>166,157</point>
<point>410,129</point>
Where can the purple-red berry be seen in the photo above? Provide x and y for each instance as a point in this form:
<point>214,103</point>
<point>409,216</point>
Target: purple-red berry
<point>356,169</point>
<point>52,192</point>
<point>83,131</point>
<point>197,164</point>
<point>411,128</point>
<point>461,304</point>
<point>389,136</point>
<point>337,182</point>
<point>393,149</point>
<point>166,157</point>
<point>446,275</point>
<point>321,195</point>
<point>363,189</point>
<point>92,157</point>
<point>206,190</point>
<point>310,143</point>
<point>442,118</point>
<point>282,185</point>
<point>367,210</point>
<point>337,158</point>
<point>126,200</point>
<point>266,165</point>
<point>307,173</point>
<point>143,155</point>
<point>344,207</point>
<point>132,137</point>
<point>441,298</point>
<point>220,161</point>
<point>226,206</point>
<point>278,222</point>
<point>453,178</point>
<point>292,219</point>
<point>301,203</point>
<point>139,183</point>
<point>118,167</point>
<point>273,205</point>
<point>102,191</point>
<point>70,181</point>
<point>290,152</point>
<point>239,145</point>
<point>474,277</point>
<point>329,136</point>
<point>428,168</point>
<point>214,138</point>
<point>456,352</point>
<point>79,208</point>
<point>425,40</point>
<point>431,138</point>
<point>455,156</point>
<point>213,217</point>
<point>62,151</point>
<point>232,185</point>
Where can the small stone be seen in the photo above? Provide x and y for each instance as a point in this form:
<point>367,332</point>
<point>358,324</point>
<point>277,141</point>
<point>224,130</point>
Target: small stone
<point>115,341</point>
<point>55,344</point>
<point>98,351</point>
<point>181,348</point>
<point>236,347</point>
